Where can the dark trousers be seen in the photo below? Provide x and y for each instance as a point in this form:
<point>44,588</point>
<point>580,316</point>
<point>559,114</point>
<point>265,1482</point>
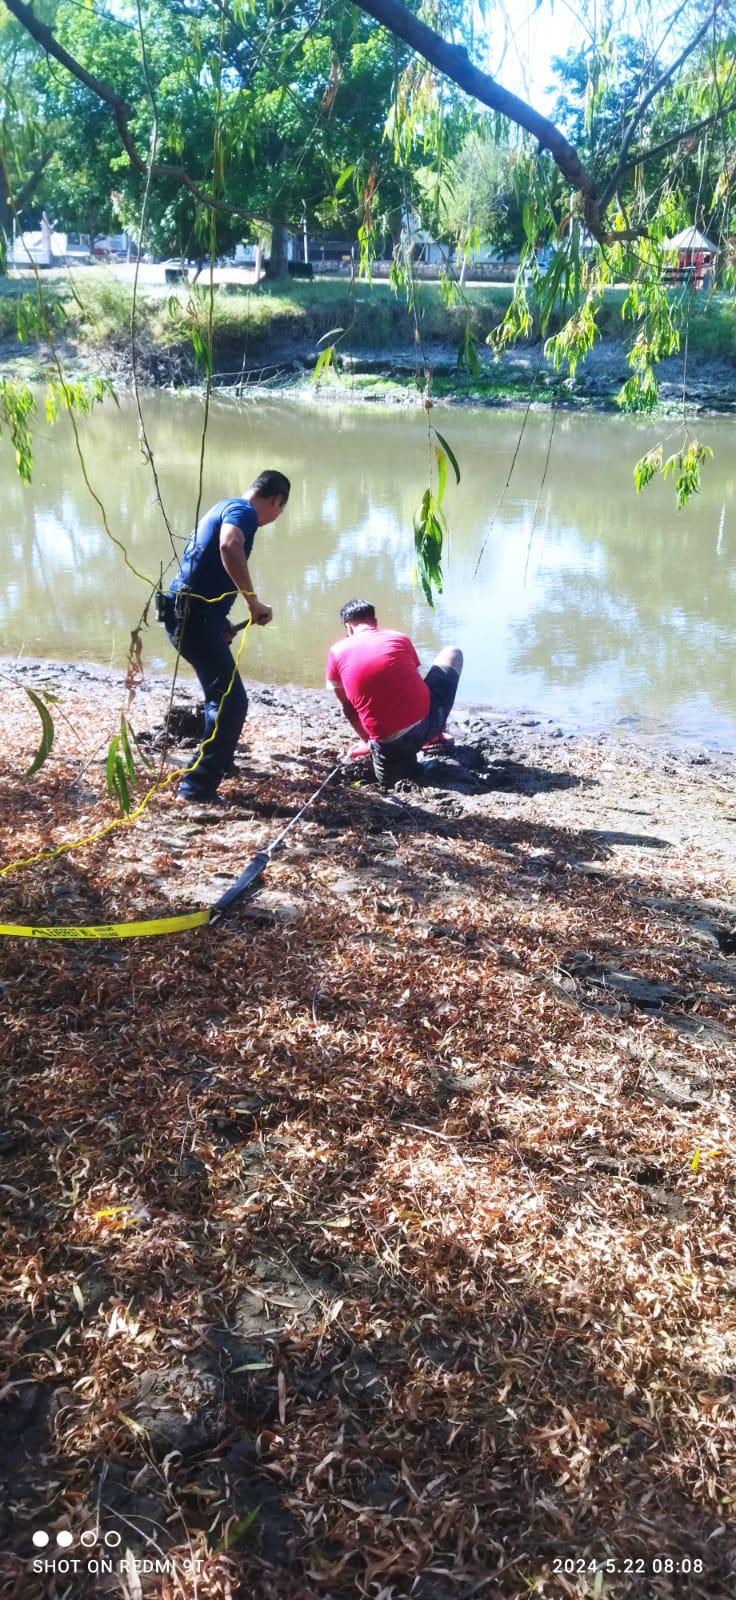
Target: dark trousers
<point>205,647</point>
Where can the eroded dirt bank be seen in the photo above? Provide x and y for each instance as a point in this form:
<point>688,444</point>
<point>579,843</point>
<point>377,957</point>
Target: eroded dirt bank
<point>379,1240</point>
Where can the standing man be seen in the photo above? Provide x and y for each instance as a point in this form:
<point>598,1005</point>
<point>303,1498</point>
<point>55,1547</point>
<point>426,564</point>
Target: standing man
<point>214,570</point>
<point>375,675</point>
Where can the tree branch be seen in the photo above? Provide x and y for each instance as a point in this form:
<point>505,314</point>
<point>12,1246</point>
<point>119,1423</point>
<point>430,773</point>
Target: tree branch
<point>454,62</point>
<point>120,111</point>
<point>24,194</point>
<point>677,138</point>
<point>661,83</point>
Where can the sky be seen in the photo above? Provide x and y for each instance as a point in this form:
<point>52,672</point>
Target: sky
<point>522,61</point>
<point>526,34</point>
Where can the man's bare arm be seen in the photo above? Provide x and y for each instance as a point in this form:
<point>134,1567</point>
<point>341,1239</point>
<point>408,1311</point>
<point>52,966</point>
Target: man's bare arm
<point>232,550</point>
<point>349,711</point>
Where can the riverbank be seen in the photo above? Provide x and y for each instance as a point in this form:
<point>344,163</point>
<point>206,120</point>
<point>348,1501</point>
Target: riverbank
<point>380,1238</point>
<point>270,337</point>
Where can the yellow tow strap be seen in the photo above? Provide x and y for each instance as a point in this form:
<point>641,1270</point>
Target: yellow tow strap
<point>113,930</point>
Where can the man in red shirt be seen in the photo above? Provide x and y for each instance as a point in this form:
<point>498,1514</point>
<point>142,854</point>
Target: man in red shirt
<point>375,675</point>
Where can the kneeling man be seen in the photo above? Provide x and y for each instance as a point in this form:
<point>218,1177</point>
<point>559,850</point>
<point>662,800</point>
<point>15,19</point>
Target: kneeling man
<point>375,675</point>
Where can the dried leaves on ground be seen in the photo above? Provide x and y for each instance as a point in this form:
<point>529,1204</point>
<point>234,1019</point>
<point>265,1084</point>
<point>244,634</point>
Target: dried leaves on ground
<point>377,1241</point>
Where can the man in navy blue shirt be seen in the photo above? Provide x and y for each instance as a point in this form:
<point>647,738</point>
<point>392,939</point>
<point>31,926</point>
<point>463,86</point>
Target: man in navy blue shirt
<point>214,571</point>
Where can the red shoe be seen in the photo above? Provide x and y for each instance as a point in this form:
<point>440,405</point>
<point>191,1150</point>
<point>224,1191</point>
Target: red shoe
<point>439,740</point>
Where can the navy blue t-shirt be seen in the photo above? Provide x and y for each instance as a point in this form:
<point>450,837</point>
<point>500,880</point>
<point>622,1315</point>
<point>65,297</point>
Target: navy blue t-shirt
<point>202,570</point>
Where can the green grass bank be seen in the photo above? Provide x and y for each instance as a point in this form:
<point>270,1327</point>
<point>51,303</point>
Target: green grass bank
<point>274,333</point>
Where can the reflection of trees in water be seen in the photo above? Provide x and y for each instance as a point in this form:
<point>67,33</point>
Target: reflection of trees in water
<point>629,587</point>
<point>63,573</point>
<point>649,598</point>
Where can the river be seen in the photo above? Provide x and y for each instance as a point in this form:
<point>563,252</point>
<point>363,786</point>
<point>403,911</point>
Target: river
<point>606,609</point>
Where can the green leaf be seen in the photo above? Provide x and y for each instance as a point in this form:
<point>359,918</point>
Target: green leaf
<point>111,766</point>
<point>123,792</point>
<point>449,452</point>
<point>441,473</point>
<point>47,735</point>
<point>323,363</point>
<point>125,747</point>
<point>238,1529</point>
<point>146,759</point>
<point>647,467</point>
<point>347,172</point>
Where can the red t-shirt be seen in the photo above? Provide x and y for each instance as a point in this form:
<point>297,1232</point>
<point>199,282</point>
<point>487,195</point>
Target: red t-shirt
<point>377,670</point>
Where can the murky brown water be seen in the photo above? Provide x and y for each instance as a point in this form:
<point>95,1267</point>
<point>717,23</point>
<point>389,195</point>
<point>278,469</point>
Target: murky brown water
<point>619,610</point>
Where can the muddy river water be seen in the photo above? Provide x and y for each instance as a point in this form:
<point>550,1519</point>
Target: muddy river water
<point>591,605</point>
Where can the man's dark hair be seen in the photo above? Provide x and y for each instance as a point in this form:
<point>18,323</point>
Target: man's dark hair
<point>358,611</point>
<point>270,483</point>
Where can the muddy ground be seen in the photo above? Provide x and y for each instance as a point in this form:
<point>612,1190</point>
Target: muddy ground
<point>377,1241</point>
<point>285,362</point>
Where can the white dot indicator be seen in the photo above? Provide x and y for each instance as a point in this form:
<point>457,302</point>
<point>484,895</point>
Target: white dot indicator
<point>89,1537</point>
<point>40,1538</point>
<point>113,1538</point>
<point>65,1538</point>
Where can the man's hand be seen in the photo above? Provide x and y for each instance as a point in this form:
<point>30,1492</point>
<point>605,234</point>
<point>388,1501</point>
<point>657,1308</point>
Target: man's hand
<point>260,613</point>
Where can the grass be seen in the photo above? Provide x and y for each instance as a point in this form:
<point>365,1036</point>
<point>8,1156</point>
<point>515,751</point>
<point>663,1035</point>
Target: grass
<point>94,310</point>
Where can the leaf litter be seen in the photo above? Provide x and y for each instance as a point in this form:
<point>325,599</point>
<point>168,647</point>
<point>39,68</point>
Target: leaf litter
<point>379,1241</point>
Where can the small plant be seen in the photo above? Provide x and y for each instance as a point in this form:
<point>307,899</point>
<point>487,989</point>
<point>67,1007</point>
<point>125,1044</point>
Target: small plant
<point>120,765</point>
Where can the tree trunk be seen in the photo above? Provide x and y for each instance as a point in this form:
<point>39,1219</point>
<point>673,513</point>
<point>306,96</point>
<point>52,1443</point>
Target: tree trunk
<point>279,265</point>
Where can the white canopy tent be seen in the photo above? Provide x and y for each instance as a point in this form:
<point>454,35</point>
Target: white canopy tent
<point>690,239</point>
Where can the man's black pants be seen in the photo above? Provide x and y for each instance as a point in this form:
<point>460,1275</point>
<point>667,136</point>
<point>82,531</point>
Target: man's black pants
<point>204,645</point>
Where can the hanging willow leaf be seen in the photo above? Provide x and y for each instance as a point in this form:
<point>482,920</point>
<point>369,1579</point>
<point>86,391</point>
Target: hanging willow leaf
<point>449,452</point>
<point>47,736</point>
<point>323,364</point>
<point>429,531</point>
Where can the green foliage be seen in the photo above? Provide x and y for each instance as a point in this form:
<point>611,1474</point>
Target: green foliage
<point>683,466</point>
<point>647,468</point>
<point>430,528</point>
<point>17,407</point>
<point>120,769</point>
<point>41,702</point>
<point>576,337</point>
<point>79,395</point>
<point>449,452</point>
<point>430,523</point>
<point>471,199</point>
<point>517,322</point>
<point>467,357</point>
<point>324,364</point>
<point>33,319</point>
<point>193,319</point>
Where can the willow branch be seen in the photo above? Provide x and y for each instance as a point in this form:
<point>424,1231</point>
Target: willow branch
<point>644,104</point>
<point>454,61</point>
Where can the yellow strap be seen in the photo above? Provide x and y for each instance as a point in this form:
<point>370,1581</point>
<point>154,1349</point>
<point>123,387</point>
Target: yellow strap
<point>112,930</point>
<point>132,816</point>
